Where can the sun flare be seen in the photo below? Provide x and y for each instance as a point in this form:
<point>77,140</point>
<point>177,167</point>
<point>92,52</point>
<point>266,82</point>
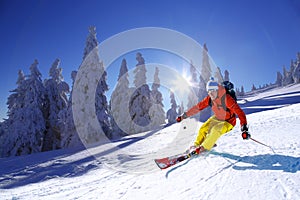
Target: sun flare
<point>181,84</point>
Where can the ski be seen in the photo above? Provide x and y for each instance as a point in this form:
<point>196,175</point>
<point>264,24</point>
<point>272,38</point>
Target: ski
<point>164,163</point>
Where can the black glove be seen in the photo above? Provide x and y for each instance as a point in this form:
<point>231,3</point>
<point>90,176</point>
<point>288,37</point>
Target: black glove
<point>244,128</point>
<point>182,117</point>
<point>245,134</point>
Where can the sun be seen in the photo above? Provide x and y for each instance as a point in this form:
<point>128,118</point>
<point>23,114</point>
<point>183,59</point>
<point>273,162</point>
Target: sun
<point>187,78</point>
<point>181,84</point>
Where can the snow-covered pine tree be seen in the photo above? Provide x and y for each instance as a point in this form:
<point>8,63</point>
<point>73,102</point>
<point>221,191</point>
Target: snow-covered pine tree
<point>102,107</point>
<point>279,79</point>
<point>15,102</point>
<point>253,87</point>
<point>3,135</point>
<point>27,119</point>
<point>226,77</point>
<point>237,92</point>
<point>91,61</point>
<point>287,77</point>
<point>295,70</point>
<point>35,109</point>
<point>156,112</point>
<point>242,93</point>
<point>181,108</point>
<point>206,71</point>
<point>205,75</point>
<point>296,73</point>
<point>69,135</point>
<point>119,107</point>
<point>91,42</point>
<point>172,113</point>
<point>218,75</point>
<point>56,92</point>
<point>292,69</point>
<point>193,96</point>
<point>140,101</point>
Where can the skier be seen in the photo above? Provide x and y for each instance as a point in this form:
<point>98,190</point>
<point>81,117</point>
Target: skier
<point>223,120</point>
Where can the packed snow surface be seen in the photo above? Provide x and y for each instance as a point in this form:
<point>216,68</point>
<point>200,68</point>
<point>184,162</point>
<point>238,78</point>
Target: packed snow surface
<point>124,169</point>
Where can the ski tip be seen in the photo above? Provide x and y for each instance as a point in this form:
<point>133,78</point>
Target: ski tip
<point>160,164</point>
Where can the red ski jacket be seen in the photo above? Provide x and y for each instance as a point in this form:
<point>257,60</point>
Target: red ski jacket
<point>220,113</point>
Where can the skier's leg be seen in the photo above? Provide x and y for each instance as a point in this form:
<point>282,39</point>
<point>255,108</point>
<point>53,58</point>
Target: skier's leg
<point>215,133</point>
<point>204,129</point>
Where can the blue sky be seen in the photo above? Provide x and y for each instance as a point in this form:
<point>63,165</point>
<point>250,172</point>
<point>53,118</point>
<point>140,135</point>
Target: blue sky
<point>252,39</point>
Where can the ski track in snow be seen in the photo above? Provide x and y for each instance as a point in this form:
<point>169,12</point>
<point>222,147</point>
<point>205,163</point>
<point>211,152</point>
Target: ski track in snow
<point>235,169</point>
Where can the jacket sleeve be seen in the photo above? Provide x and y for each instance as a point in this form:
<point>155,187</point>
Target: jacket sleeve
<point>234,107</point>
<point>200,106</point>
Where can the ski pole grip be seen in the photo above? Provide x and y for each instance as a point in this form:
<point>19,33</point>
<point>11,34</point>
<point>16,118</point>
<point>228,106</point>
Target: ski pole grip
<point>246,135</point>
<point>179,119</point>
<point>182,117</point>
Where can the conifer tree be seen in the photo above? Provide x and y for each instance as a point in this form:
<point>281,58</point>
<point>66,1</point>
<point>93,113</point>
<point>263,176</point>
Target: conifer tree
<point>226,78</point>
<point>287,77</point>
<point>204,78</point>
<point>15,102</point>
<point>193,96</point>
<point>279,79</point>
<point>95,65</point>
<point>172,113</point>
<point>253,87</point>
<point>218,75</point>
<point>156,112</point>
<point>69,135</point>
<point>296,75</point>
<point>180,108</point>
<point>56,91</point>
<point>242,93</point>
<point>27,124</point>
<point>119,104</point>
<point>140,101</point>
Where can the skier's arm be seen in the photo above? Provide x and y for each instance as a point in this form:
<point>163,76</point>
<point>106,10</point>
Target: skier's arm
<point>233,105</point>
<point>197,108</point>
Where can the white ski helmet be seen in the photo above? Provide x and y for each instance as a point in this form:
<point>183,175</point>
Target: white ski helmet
<point>212,85</point>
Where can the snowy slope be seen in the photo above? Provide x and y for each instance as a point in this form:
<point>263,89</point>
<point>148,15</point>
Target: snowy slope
<point>235,169</point>
<point>270,99</point>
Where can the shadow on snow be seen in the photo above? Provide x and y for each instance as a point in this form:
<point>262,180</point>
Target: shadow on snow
<point>264,162</point>
<point>20,171</point>
<point>270,102</point>
<point>125,142</point>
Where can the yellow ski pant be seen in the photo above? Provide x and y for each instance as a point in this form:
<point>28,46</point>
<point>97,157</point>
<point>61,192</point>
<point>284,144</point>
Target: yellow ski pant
<point>211,131</point>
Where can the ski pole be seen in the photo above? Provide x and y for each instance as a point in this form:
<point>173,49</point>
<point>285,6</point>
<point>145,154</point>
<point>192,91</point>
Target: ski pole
<point>262,144</point>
